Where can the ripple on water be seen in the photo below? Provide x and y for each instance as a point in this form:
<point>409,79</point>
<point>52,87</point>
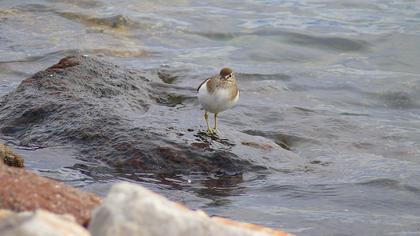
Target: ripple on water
<point>119,23</point>
<point>398,100</point>
<point>349,110</point>
<point>261,77</point>
<point>331,43</point>
<point>81,3</point>
<point>302,39</point>
<point>303,191</point>
<point>391,184</point>
<point>286,141</point>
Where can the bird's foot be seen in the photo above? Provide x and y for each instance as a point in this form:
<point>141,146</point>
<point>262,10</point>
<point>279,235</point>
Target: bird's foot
<point>211,132</point>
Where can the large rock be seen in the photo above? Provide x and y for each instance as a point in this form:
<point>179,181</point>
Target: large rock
<point>40,223</point>
<point>102,110</point>
<point>21,190</point>
<point>126,119</point>
<point>131,210</point>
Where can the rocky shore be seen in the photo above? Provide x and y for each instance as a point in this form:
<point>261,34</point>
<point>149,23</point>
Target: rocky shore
<point>33,205</point>
<point>21,190</point>
<point>107,113</point>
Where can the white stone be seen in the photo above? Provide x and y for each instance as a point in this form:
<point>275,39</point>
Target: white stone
<point>5,213</point>
<point>131,210</point>
<point>40,223</point>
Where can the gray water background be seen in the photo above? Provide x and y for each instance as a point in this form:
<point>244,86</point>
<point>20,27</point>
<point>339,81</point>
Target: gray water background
<point>337,80</point>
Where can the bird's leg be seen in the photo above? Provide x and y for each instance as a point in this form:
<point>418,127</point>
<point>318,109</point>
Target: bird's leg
<point>210,131</point>
<point>206,117</point>
<point>215,122</point>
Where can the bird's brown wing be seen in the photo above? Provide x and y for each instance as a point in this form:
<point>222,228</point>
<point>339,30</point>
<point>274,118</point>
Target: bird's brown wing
<point>202,84</point>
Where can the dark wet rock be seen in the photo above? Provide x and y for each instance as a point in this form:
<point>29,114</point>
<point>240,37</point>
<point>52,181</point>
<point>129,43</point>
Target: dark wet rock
<point>319,162</point>
<point>64,63</point>
<point>21,190</point>
<point>167,78</point>
<point>118,21</point>
<point>283,140</point>
<point>169,75</point>
<point>103,111</point>
<point>8,157</point>
<point>263,146</point>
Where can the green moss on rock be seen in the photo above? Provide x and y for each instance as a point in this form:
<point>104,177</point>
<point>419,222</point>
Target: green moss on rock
<point>8,157</point>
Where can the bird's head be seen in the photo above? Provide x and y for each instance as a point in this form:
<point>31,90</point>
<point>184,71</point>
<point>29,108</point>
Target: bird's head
<point>226,74</point>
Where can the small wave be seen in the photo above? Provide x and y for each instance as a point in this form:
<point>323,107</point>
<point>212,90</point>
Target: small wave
<point>310,191</point>
<point>217,35</point>
<point>119,53</point>
<point>353,114</point>
<point>383,182</point>
<point>259,77</point>
<point>391,183</point>
<point>82,3</point>
<point>283,140</point>
<point>333,43</point>
<point>315,41</point>
<point>304,109</point>
<point>115,23</point>
<point>398,99</point>
<point>33,7</point>
<point>54,55</point>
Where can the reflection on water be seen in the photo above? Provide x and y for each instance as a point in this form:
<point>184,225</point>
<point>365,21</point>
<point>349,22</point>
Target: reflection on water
<point>336,82</point>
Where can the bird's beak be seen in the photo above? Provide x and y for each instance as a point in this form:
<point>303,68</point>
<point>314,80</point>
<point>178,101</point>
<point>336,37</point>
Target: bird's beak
<point>226,77</point>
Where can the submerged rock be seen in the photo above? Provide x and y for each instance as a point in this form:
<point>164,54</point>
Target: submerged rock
<point>40,223</point>
<point>102,110</point>
<point>130,209</point>
<point>21,190</point>
<point>125,122</point>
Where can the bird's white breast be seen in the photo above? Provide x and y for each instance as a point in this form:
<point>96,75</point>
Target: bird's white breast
<point>218,101</point>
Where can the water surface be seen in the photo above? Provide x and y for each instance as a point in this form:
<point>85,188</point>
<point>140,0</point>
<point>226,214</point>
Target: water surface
<point>336,82</point>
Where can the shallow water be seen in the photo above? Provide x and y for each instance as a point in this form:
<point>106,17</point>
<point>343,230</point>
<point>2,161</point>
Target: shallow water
<point>337,82</point>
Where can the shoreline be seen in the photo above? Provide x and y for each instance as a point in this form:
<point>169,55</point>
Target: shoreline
<point>42,203</point>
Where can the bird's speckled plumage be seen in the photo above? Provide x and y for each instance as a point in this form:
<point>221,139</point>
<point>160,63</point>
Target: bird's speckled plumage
<point>218,93</point>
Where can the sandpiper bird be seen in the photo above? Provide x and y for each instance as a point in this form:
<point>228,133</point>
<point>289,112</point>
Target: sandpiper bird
<point>217,94</point>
